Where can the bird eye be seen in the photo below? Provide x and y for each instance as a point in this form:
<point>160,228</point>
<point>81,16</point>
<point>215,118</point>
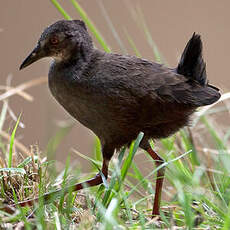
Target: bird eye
<point>54,40</point>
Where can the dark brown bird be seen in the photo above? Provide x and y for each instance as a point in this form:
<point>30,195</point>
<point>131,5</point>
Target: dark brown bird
<point>118,96</point>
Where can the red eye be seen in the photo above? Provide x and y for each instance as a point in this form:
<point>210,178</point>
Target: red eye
<point>54,40</point>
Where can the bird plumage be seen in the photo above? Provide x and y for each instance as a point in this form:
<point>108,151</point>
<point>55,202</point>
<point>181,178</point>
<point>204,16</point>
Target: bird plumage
<point>118,96</point>
<point>123,95</point>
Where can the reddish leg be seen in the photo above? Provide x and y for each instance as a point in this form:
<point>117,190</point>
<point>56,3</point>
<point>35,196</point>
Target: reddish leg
<point>92,182</point>
<point>159,182</point>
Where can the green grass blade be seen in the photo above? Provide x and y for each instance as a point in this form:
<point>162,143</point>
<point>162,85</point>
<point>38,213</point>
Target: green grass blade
<point>13,170</point>
<point>119,174</point>
<point>23,217</point>
<point>185,201</point>
<point>227,220</point>
<point>91,26</point>
<point>214,134</point>
<point>96,152</point>
<point>132,44</point>
<point>57,221</point>
<point>212,205</point>
<point>149,38</point>
<point>113,185</point>
<point>97,149</point>
<point>112,28</point>
<point>115,180</point>
<point>110,215</point>
<point>133,148</point>
<point>61,10</point>
<point>64,182</point>
<point>94,162</point>
<point>27,161</point>
<point>121,155</point>
<point>12,143</point>
<point>154,171</point>
<point>186,139</point>
<point>140,177</point>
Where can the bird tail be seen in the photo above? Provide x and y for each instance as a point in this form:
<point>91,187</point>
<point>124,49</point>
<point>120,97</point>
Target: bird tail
<point>191,64</point>
<point>193,67</point>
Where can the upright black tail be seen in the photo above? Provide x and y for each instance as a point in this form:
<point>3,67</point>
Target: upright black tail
<point>191,64</point>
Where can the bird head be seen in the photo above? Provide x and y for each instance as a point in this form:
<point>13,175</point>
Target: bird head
<point>62,40</point>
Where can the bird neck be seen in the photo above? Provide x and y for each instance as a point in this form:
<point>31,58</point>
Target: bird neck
<point>77,62</point>
<point>77,56</point>
<point>81,56</point>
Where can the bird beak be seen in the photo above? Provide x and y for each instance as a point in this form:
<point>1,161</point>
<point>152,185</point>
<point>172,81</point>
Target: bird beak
<point>35,55</point>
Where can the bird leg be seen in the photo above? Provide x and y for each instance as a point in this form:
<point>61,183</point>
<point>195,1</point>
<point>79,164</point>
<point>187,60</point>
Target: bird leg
<point>159,181</point>
<point>89,183</point>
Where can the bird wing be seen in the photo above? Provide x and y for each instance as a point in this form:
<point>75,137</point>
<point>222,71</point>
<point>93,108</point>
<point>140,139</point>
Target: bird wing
<point>179,89</point>
<point>132,76</point>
